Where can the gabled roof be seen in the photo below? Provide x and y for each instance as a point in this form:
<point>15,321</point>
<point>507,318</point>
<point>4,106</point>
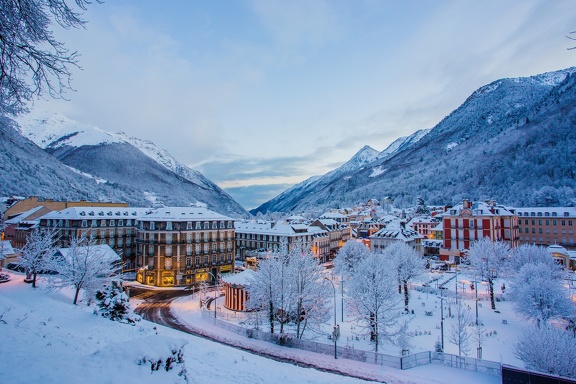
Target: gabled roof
<point>103,250</point>
<point>182,214</point>
<point>31,214</point>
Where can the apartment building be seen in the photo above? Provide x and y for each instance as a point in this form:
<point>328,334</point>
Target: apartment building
<point>547,225</point>
<point>470,221</point>
<point>180,246</point>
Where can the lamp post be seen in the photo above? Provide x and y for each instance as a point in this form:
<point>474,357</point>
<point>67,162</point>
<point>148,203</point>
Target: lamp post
<point>342,286</point>
<point>442,316</point>
<point>336,331</point>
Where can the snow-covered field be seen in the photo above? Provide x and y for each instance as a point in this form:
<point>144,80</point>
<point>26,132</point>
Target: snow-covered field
<point>46,339</point>
<point>501,327</point>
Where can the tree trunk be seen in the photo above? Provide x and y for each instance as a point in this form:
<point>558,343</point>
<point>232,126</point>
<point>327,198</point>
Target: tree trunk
<point>491,287</point>
<point>406,295</point>
<point>271,317</point>
<point>34,280</point>
<point>76,295</point>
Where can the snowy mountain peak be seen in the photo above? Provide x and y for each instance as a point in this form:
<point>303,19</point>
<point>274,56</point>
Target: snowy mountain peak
<point>402,143</point>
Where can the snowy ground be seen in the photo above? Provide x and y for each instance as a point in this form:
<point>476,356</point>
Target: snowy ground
<point>500,336</point>
<point>46,339</point>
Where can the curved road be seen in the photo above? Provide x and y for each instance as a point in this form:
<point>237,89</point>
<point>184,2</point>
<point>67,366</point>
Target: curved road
<point>156,308</point>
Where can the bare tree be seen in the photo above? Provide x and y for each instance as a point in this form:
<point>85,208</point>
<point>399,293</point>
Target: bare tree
<point>36,254</point>
<point>84,265</point>
<point>459,334</point>
<point>487,259</point>
<point>351,253</point>
<point>32,61</point>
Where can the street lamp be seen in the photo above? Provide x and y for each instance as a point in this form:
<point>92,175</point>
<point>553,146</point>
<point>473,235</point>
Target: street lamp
<point>342,286</point>
<point>336,331</point>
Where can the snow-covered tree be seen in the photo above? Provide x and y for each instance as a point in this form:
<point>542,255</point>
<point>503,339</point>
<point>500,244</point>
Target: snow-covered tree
<point>289,289</point>
<point>373,301</point>
<point>549,350</point>
<point>83,265</point>
<point>421,207</point>
<point>32,61</point>
<point>538,293</point>
<point>530,254</point>
<point>487,259</point>
<point>406,263</point>
<point>459,334</point>
<point>310,294</point>
<point>115,305</point>
<point>351,253</point>
<point>36,254</point>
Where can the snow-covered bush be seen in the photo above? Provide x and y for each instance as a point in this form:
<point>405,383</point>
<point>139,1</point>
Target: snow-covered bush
<point>548,349</point>
<point>114,304</point>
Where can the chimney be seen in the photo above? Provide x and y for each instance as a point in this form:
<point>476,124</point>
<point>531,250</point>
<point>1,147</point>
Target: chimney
<point>466,204</point>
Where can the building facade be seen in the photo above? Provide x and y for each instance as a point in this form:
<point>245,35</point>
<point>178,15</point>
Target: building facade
<point>113,226</point>
<point>547,226</point>
<point>256,239</point>
<point>179,246</point>
<point>386,236</point>
<point>470,221</point>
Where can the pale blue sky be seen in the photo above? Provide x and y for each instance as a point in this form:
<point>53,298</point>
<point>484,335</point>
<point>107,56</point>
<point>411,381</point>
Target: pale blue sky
<point>259,95</point>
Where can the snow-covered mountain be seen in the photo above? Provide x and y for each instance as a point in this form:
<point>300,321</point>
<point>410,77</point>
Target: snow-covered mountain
<point>146,174</point>
<point>402,143</point>
<point>286,200</point>
<point>512,140</point>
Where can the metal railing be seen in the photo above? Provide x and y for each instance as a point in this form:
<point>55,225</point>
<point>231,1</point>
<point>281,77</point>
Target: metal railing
<point>345,352</point>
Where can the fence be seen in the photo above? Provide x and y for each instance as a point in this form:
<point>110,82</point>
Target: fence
<point>404,362</point>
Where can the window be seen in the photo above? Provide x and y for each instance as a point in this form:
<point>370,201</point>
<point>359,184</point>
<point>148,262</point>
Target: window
<point>533,222</point>
<point>103,223</point>
<point>563,222</point>
<point>526,222</point>
<point>221,225</point>
<point>150,250</point>
<point>152,226</point>
<point>188,262</point>
<point>539,230</point>
<point>532,214</point>
<point>120,223</point>
<point>214,247</point>
<point>214,225</point>
<point>128,232</point>
<point>198,236</point>
<point>229,224</point>
<point>206,225</point>
<point>189,237</point>
<point>214,260</point>
<point>168,251</point>
<point>94,223</point>
<point>198,225</point>
<point>197,260</point>
<point>540,222</point>
<point>553,222</point>
<point>168,264</point>
<point>189,249</point>
<point>168,238</point>
<point>570,222</point>
<point>533,230</point>
<point>539,213</point>
<point>84,223</point>
<point>547,222</point>
<point>189,225</point>
<point>169,226</point>
<point>554,214</point>
<point>111,233</point>
<point>197,248</point>
<point>519,230</point>
<point>566,214</point>
<point>112,223</point>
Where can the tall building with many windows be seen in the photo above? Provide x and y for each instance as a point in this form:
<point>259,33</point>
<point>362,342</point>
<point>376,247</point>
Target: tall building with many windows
<point>179,246</point>
<point>470,221</point>
<point>547,225</point>
<point>114,226</point>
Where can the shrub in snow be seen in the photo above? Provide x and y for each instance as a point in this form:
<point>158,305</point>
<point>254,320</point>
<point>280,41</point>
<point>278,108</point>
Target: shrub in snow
<point>114,304</point>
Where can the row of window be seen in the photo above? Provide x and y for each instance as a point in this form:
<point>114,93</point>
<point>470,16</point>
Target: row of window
<point>197,236</point>
<point>170,226</point>
<point>554,222</point>
<point>540,230</point>
<point>168,263</point>
<point>206,248</point>
<point>549,240</point>
<point>93,223</point>
<point>546,214</point>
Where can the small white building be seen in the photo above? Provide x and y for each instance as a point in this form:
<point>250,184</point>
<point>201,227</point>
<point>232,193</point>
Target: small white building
<point>386,236</point>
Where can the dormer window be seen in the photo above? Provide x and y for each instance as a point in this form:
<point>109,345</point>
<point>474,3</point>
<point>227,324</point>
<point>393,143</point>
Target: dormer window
<point>112,223</point>
<point>152,226</point>
<point>169,226</point>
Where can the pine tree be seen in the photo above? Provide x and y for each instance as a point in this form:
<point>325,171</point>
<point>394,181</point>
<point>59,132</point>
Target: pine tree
<point>114,304</point>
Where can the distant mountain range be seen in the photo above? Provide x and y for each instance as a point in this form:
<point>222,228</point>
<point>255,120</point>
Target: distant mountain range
<point>513,140</point>
<point>48,155</point>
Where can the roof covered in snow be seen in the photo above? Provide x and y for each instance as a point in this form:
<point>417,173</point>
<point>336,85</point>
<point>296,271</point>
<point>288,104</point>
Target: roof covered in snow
<point>242,278</point>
